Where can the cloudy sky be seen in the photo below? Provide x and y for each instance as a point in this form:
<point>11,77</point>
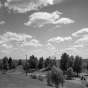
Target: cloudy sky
<point>43,28</point>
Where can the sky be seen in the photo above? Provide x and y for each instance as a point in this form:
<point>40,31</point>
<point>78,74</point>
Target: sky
<point>43,28</point>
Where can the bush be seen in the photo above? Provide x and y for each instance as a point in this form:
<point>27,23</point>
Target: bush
<point>48,78</point>
<point>69,73</point>
<point>41,78</point>
<point>55,76</point>
<point>34,76</point>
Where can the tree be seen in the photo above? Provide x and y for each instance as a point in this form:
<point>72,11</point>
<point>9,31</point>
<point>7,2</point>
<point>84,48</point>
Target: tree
<point>47,62</point>
<point>33,62</point>
<point>20,62</point>
<point>87,66</point>
<point>5,63</point>
<point>41,63</point>
<point>64,61</point>
<point>10,62</point>
<point>71,61</point>
<point>78,64</point>
<point>70,73</point>
<point>14,66</point>
<point>57,77</point>
<point>53,62</point>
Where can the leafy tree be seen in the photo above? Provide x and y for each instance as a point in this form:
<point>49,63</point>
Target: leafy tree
<point>33,62</point>
<point>57,77</point>
<point>5,63</point>
<point>71,61</point>
<point>78,64</point>
<point>87,66</point>
<point>64,61</point>
<point>41,63</point>
<point>1,65</point>
<point>47,62</point>
<point>20,62</point>
<point>14,66</point>
<point>53,62</point>
<point>10,62</point>
<point>70,73</point>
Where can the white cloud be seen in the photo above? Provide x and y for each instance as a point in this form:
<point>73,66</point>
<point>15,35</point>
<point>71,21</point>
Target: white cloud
<point>22,6</point>
<point>51,48</point>
<point>9,36</point>
<point>77,46</point>
<point>73,50</point>
<point>39,50</point>
<point>6,46</point>
<point>80,32</point>
<point>59,39</point>
<point>5,51</point>
<point>19,39</point>
<point>33,43</point>
<point>39,19</point>
<point>48,44</point>
<point>57,26</point>
<point>83,40</point>
<point>64,21</point>
<point>2,22</point>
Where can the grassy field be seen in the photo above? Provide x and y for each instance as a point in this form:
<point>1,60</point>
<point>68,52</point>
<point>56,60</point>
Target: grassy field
<point>18,79</point>
<point>22,81</point>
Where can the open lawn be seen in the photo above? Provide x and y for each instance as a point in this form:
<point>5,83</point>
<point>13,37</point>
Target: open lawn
<point>22,81</point>
<point>18,79</point>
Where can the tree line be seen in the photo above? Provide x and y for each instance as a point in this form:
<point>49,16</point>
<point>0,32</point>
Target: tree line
<point>33,63</point>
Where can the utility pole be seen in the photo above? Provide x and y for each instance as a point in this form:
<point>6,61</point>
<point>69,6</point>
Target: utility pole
<point>26,65</point>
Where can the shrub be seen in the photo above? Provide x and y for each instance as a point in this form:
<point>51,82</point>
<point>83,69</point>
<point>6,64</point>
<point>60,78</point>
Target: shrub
<point>55,76</point>
<point>69,73</point>
<point>34,76</point>
<point>40,77</point>
<point>48,78</point>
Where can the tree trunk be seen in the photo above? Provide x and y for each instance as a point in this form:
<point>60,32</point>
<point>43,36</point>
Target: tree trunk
<point>77,74</point>
<point>56,86</point>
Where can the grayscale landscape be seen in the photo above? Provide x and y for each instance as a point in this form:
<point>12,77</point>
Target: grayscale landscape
<point>43,44</point>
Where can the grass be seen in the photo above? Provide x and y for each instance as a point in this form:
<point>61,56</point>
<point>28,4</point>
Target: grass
<point>22,81</point>
<point>18,79</point>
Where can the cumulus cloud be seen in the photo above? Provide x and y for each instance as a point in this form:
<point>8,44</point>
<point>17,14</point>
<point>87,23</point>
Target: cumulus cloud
<point>41,18</point>
<point>9,36</point>
<point>21,40</point>
<point>2,22</point>
<point>51,48</point>
<point>57,26</point>
<point>83,40</point>
<point>7,46</point>
<point>39,50</point>
<point>73,50</point>
<point>81,32</point>
<point>48,44</point>
<point>33,42</point>
<point>22,6</point>
<point>59,39</point>
<point>77,46</point>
